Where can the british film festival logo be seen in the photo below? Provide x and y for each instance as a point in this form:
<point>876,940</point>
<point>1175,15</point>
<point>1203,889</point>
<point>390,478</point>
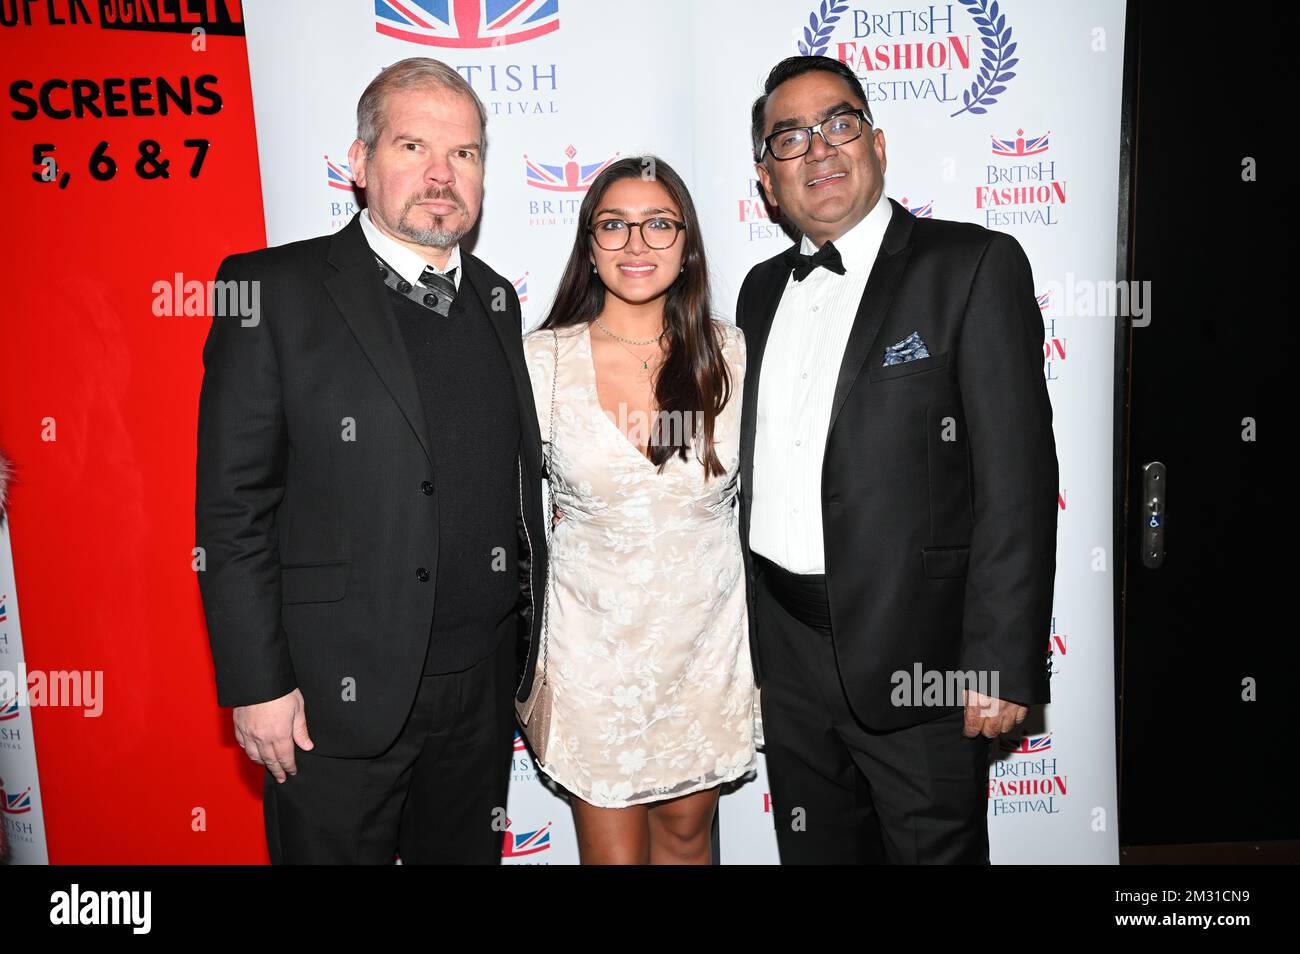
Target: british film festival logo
<point>923,53</point>
<point>921,210</point>
<point>1053,343</point>
<point>449,26</point>
<point>523,844</point>
<point>1020,185</point>
<point>338,176</point>
<point>522,768</point>
<point>11,736</point>
<point>1028,780</point>
<point>15,802</point>
<point>16,812</point>
<point>565,182</point>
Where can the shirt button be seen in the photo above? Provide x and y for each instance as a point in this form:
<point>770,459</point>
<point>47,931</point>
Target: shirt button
<point>817,307</point>
<point>422,574</point>
<point>798,443</point>
<point>804,375</point>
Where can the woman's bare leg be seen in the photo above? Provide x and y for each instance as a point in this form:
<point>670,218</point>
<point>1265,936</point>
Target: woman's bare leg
<point>680,829</point>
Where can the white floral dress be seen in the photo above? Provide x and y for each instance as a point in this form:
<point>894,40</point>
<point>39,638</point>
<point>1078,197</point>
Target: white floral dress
<point>648,649</point>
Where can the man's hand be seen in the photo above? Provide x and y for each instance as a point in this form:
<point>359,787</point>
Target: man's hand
<point>267,731</point>
<point>990,716</point>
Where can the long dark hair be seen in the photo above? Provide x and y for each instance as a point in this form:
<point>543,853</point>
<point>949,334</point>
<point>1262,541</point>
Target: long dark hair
<point>693,381</point>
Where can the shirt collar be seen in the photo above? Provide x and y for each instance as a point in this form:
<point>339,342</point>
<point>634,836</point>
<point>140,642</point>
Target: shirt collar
<point>407,263</point>
<point>859,245</point>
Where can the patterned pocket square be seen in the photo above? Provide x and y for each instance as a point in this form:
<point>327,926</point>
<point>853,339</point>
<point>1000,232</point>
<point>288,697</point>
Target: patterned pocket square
<point>910,348</point>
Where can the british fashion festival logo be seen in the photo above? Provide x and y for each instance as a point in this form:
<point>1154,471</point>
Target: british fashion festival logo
<point>1028,781</point>
<point>1020,186</point>
<point>959,55</point>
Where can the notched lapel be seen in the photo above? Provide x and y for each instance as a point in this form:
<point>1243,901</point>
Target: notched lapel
<point>768,293</point>
<point>360,296</point>
<point>509,328</point>
<point>895,249</point>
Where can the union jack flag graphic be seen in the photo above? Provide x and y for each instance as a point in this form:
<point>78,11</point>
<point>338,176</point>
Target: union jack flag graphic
<point>572,176</point>
<point>925,211</point>
<point>466,23</point>
<point>15,803</point>
<point>517,845</point>
<point>520,744</point>
<point>1044,300</point>
<point>1020,146</point>
<point>4,608</point>
<point>521,289</point>
<point>9,709</point>
<point>1028,744</point>
<point>338,174</point>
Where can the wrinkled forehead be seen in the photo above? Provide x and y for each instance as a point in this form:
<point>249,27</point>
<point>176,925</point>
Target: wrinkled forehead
<point>431,113</point>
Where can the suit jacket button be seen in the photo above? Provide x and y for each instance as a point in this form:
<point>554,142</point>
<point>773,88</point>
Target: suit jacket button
<point>403,286</point>
<point>426,487</point>
<point>422,574</point>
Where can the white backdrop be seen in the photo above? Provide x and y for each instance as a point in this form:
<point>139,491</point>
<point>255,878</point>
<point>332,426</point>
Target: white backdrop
<point>1004,114</point>
<point>21,810</point>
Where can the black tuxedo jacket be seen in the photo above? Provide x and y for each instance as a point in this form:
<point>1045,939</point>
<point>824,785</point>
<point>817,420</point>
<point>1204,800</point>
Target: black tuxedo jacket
<point>939,552</point>
<point>315,491</point>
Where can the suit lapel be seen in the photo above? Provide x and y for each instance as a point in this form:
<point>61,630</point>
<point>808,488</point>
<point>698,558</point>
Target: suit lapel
<point>767,294</point>
<point>508,326</point>
<point>360,296</point>
<point>895,249</point>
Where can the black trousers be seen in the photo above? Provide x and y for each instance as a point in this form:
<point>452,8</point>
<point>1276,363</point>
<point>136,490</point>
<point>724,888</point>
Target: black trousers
<point>436,796</point>
<point>843,793</point>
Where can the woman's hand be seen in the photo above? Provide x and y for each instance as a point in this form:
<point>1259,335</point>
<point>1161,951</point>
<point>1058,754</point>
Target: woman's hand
<point>559,514</point>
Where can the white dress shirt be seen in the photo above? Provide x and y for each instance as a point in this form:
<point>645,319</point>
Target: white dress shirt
<point>407,263</point>
<point>801,363</point>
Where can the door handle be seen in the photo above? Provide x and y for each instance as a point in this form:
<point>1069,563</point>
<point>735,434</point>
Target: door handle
<point>1154,480</point>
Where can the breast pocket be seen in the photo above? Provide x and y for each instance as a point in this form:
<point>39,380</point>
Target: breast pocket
<point>890,372</point>
<point>314,582</point>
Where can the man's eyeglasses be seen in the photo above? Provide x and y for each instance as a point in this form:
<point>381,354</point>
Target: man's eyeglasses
<point>795,141</point>
<point>657,233</point>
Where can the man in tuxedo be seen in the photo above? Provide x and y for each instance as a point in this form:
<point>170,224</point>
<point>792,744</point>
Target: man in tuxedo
<point>899,486</point>
<point>367,457</point>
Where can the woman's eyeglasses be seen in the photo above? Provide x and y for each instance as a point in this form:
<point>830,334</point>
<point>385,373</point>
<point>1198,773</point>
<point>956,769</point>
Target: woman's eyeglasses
<point>658,233</point>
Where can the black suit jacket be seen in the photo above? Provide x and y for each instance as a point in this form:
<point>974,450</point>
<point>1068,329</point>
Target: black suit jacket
<point>315,492</point>
<point>939,552</point>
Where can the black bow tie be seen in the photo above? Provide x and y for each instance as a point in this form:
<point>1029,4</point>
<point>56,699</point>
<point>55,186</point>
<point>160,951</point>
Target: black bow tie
<point>828,256</point>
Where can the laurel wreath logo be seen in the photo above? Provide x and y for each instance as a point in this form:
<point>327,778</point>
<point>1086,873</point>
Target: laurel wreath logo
<point>995,64</point>
<point>821,24</point>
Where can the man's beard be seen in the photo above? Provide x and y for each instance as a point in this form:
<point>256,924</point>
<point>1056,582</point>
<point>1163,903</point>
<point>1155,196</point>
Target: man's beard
<point>439,236</point>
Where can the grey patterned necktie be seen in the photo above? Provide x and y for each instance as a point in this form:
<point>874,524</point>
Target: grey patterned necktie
<point>443,283</point>
<point>435,291</point>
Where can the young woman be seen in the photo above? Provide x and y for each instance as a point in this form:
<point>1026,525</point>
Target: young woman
<point>654,704</point>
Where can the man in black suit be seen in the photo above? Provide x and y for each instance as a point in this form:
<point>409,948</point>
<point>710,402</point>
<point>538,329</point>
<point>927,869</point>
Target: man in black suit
<point>368,454</point>
<point>899,486</point>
